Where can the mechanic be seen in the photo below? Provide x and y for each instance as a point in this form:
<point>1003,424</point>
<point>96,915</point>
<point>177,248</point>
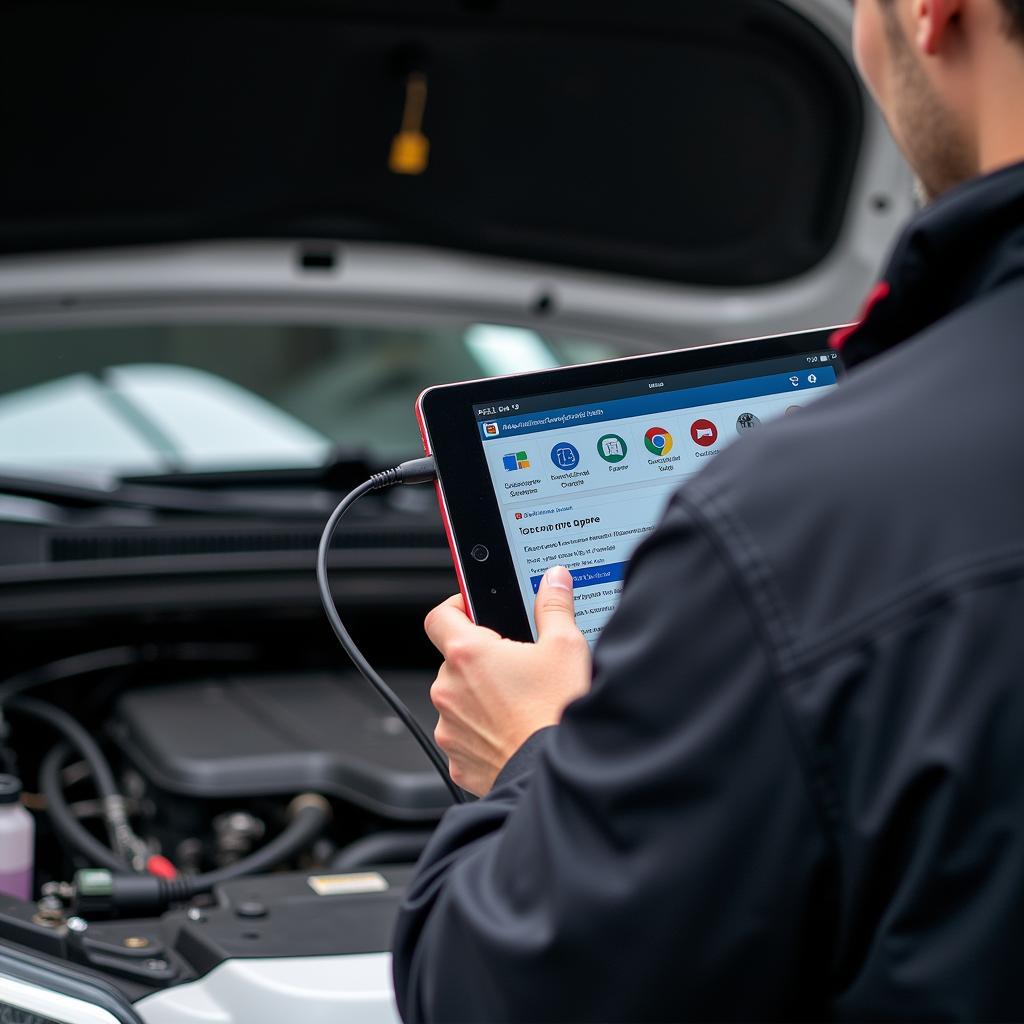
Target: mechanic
<point>795,786</point>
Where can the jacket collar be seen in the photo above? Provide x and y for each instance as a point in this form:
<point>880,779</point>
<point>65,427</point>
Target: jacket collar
<point>966,243</point>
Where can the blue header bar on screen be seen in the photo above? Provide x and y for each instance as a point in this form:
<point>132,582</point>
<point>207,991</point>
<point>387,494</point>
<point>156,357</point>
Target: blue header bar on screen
<point>658,402</point>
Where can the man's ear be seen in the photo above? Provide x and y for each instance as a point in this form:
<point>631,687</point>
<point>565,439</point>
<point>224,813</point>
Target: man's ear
<point>936,19</point>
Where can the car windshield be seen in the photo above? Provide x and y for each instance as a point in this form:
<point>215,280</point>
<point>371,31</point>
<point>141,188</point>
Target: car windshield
<point>140,399</point>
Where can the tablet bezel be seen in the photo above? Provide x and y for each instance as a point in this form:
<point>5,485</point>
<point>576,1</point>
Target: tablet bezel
<point>469,507</point>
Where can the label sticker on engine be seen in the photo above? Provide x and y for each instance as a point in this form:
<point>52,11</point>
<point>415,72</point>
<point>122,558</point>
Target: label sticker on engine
<point>347,885</point>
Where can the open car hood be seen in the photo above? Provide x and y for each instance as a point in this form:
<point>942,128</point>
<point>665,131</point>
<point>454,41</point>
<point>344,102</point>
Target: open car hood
<point>709,143</point>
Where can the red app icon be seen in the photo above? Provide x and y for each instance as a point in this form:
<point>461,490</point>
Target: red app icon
<point>519,515</point>
<point>704,433</point>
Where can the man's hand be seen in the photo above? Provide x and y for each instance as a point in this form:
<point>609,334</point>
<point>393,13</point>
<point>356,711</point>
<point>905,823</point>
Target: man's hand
<point>493,694</point>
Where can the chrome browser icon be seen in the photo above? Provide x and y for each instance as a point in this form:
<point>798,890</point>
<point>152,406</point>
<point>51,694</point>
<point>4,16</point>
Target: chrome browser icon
<point>658,441</point>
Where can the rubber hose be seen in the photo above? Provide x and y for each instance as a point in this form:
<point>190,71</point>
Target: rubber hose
<point>65,824</point>
<point>123,839</point>
<point>311,813</point>
<point>399,847</point>
<point>77,736</point>
<point>68,668</point>
<point>110,658</point>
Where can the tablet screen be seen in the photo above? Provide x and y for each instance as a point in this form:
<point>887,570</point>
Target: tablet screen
<point>581,477</point>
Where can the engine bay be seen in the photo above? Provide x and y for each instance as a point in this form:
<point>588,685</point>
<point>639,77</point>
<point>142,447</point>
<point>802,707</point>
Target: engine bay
<point>209,779</point>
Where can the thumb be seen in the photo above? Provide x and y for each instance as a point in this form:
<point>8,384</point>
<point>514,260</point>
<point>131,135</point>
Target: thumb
<point>553,608</point>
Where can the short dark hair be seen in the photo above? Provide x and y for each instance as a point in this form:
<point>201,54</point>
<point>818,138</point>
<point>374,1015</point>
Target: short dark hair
<point>1015,17</point>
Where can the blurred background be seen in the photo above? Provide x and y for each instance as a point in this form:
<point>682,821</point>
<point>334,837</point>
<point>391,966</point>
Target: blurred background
<point>235,234</point>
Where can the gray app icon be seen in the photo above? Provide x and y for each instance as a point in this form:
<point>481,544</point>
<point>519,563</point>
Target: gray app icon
<point>747,421</point>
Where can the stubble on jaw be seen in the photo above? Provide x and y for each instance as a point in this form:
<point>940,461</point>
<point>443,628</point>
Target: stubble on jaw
<point>934,145</point>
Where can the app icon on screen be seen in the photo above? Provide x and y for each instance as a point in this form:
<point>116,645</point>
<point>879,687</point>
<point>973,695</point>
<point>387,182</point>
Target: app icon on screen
<point>491,429</point>
<point>704,433</point>
<point>565,456</point>
<point>515,462</point>
<point>747,421</point>
<point>658,441</point>
<point>612,448</point>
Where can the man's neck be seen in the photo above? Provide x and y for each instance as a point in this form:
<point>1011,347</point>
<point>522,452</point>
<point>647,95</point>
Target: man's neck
<point>1001,110</point>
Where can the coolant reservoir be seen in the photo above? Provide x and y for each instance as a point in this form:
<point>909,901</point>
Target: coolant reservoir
<point>17,841</point>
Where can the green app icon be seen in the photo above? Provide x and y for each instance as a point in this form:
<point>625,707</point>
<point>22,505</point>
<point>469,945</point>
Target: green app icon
<point>611,448</point>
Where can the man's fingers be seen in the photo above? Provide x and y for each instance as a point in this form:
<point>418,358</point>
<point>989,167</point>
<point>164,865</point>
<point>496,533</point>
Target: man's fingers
<point>553,608</point>
<point>445,621</point>
<point>448,622</point>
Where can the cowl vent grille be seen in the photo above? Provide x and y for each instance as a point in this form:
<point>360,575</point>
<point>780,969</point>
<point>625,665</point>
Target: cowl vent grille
<point>90,547</point>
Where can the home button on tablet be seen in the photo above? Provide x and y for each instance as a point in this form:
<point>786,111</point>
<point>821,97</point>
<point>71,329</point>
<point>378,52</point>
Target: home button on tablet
<point>480,553</point>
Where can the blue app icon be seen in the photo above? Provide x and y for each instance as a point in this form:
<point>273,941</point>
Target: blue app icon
<point>565,456</point>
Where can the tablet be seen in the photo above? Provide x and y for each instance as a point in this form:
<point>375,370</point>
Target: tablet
<point>574,466</point>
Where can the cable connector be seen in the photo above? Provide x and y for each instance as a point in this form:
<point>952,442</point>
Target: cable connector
<point>415,471</point>
<point>101,893</point>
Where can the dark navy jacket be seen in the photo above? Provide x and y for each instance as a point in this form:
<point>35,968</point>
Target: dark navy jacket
<point>796,789</point>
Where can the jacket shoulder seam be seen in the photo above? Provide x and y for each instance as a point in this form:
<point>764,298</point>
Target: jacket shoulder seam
<point>954,577</point>
<point>754,578</point>
<point>739,550</point>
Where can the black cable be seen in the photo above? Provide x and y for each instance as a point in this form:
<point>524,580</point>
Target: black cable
<point>65,824</point>
<point>417,471</point>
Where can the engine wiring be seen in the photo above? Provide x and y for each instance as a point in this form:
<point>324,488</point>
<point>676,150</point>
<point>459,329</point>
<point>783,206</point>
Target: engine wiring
<point>126,875</point>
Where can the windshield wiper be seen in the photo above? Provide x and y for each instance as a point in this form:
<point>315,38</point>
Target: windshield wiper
<point>343,469</point>
<point>248,494</point>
